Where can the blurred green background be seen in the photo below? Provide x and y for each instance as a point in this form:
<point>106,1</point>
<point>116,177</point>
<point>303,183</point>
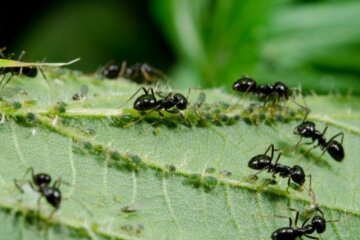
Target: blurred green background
<point>205,43</point>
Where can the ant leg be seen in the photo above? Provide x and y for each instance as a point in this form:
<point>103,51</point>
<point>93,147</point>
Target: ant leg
<point>31,170</point>
<point>309,150</point>
<point>142,88</point>
<point>298,143</point>
<point>122,70</point>
<point>262,187</point>
<point>277,160</point>
<point>145,74</point>
<point>296,218</point>
<point>288,184</point>
<point>265,101</point>
<point>272,150</point>
<point>38,207</point>
<point>324,131</point>
<point>141,118</point>
<point>51,214</point>
<point>306,220</point>
<point>1,52</point>
<point>311,237</point>
<point>57,183</point>
<point>253,176</point>
<point>6,82</point>
<point>20,183</point>
<point>290,222</point>
<point>337,135</point>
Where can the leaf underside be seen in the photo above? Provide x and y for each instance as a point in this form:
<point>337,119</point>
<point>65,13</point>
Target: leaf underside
<point>149,180</point>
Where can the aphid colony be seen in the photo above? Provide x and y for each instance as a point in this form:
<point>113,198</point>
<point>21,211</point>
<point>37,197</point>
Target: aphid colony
<point>174,103</point>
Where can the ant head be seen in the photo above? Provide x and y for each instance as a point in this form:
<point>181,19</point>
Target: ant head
<point>319,223</point>
<point>53,196</point>
<point>244,84</point>
<point>298,175</point>
<point>42,179</point>
<point>305,129</point>
<point>281,89</point>
<point>181,101</point>
<point>111,71</point>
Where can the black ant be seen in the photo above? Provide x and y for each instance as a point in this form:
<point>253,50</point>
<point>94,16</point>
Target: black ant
<point>277,91</point>
<point>40,182</point>
<point>263,162</point>
<point>307,130</point>
<point>148,101</point>
<point>26,71</point>
<point>318,224</point>
<point>171,103</point>
<point>139,72</point>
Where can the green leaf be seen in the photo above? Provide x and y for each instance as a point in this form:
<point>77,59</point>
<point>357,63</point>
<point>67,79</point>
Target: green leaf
<point>164,178</point>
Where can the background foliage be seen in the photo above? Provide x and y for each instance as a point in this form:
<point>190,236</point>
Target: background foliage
<point>203,43</point>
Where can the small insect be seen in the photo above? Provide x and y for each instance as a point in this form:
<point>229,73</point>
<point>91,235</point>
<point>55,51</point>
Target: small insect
<point>276,91</point>
<point>40,182</point>
<point>139,72</point>
<point>264,162</point>
<point>318,224</point>
<point>29,69</point>
<point>171,103</point>
<point>307,130</point>
<point>84,89</point>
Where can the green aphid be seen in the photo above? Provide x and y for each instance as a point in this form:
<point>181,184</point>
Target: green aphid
<point>210,182</point>
<point>210,170</point>
<point>135,158</point>
<point>170,167</point>
<point>87,145</point>
<point>60,107</point>
<point>115,155</point>
<point>31,117</point>
<point>16,105</point>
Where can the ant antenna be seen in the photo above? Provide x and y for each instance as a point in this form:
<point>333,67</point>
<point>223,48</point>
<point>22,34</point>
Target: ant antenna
<point>132,96</point>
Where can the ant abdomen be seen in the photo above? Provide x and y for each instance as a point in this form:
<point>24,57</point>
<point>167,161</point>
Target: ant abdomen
<point>145,102</point>
<point>298,175</point>
<point>336,150</point>
<point>259,162</point>
<point>111,71</point>
<point>52,195</point>
<point>29,71</point>
<point>244,84</point>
